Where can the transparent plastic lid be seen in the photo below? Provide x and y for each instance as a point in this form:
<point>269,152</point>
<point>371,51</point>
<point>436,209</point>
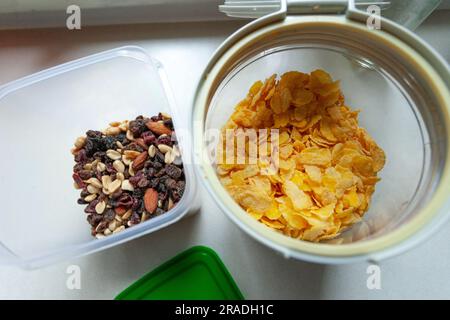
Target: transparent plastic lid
<point>40,118</point>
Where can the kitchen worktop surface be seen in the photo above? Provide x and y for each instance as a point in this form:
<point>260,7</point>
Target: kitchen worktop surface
<point>260,272</point>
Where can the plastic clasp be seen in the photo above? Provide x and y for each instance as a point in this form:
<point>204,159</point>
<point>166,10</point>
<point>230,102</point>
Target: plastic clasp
<point>317,6</point>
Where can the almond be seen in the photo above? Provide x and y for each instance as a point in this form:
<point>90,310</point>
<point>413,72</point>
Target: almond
<point>131,154</point>
<point>151,200</point>
<point>141,143</point>
<point>158,127</point>
<point>139,162</point>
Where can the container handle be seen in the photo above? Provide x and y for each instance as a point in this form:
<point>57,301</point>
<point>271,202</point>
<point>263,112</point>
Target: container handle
<point>409,13</point>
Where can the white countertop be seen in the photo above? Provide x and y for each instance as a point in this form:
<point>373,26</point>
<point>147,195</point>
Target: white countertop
<point>260,273</point>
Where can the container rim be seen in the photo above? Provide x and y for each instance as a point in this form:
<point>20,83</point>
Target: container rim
<point>415,231</point>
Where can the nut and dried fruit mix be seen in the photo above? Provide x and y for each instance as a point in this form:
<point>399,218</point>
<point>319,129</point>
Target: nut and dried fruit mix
<point>129,173</point>
<point>327,165</point>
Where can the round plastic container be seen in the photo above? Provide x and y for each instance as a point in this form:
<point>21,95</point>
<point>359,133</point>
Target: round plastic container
<point>40,117</point>
<point>401,87</point>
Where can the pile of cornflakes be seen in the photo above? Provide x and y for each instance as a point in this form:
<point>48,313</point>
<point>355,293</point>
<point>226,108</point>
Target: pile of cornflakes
<point>326,167</point>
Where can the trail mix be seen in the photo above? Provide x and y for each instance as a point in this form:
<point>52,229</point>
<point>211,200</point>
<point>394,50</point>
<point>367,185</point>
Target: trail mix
<point>130,172</point>
<point>327,167</point>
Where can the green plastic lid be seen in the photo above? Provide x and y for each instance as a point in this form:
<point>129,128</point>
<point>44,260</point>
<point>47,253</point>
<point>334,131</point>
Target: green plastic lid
<point>195,274</point>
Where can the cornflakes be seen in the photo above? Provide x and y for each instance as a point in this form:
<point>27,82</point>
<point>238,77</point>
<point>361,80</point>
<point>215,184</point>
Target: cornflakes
<point>325,166</point>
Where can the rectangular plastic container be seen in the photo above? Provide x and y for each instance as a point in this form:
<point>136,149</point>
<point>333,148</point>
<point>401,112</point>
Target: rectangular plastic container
<point>40,117</point>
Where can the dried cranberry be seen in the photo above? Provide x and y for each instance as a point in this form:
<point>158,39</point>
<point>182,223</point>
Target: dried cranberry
<point>80,183</point>
<point>125,200</point>
<point>81,156</point>
<point>148,137</point>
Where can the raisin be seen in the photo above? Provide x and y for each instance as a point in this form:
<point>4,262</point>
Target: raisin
<point>78,167</point>
<point>136,178</point>
<point>91,206</point>
<point>101,226</point>
<point>143,182</point>
<point>159,157</point>
<point>138,193</point>
<point>136,204</point>
<point>93,134</point>
<point>173,171</point>
<point>85,174</point>
<point>171,183</point>
<point>137,127</point>
<point>150,172</point>
<point>109,142</point>
<point>84,193</point>
<point>94,219</point>
<point>122,138</point>
<point>100,155</point>
<point>156,118</point>
<point>167,140</point>
<point>135,219</point>
<point>109,215</point>
<point>116,195</point>
<point>169,124</point>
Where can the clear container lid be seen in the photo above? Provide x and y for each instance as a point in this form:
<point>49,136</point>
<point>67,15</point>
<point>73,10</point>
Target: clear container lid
<point>40,117</point>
